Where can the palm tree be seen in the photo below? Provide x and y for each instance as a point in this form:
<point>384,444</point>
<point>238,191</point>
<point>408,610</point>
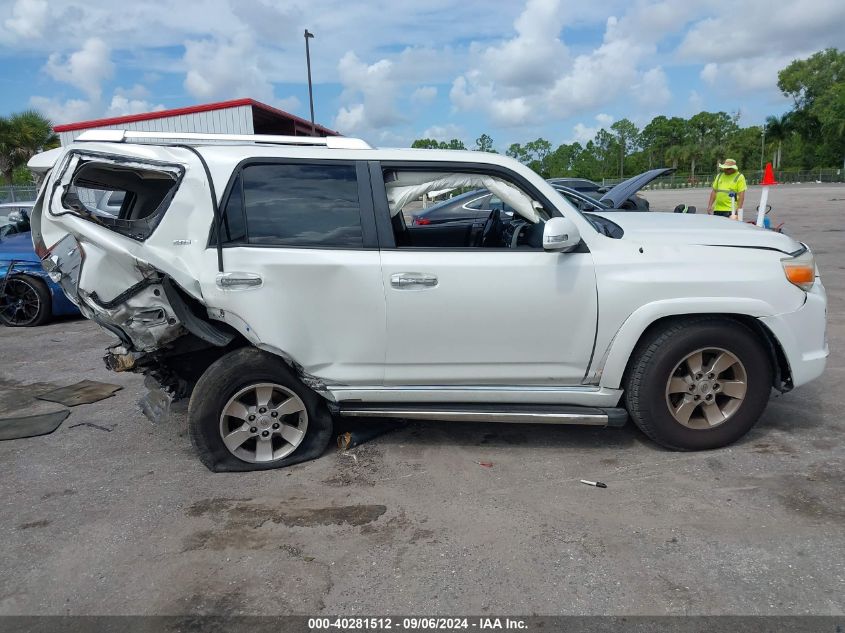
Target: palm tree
<point>22,135</point>
<point>692,152</point>
<point>778,129</point>
<point>675,153</point>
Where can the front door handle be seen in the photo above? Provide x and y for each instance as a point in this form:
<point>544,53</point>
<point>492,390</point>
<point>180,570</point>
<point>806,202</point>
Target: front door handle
<point>412,281</point>
<point>238,281</point>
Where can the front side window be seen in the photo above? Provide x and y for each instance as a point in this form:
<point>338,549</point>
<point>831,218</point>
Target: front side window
<point>513,218</point>
<point>303,205</point>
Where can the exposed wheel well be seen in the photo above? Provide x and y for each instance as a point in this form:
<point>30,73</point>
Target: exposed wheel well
<point>782,380</point>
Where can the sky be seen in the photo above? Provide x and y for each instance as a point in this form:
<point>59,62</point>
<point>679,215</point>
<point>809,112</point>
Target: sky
<point>391,71</point>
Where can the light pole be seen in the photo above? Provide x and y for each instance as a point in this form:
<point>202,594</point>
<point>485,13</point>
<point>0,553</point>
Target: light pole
<point>310,90</point>
<point>762,149</point>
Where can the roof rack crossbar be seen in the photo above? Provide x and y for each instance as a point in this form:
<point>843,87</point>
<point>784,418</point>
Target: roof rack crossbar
<point>130,136</point>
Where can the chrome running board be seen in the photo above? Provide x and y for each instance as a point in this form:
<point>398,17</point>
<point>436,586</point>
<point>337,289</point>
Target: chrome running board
<point>519,414</point>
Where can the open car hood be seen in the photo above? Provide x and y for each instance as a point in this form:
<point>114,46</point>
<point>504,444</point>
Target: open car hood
<point>681,228</point>
<point>627,188</point>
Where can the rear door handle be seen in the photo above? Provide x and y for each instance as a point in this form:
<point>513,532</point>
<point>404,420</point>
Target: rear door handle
<point>238,281</point>
<point>413,281</point>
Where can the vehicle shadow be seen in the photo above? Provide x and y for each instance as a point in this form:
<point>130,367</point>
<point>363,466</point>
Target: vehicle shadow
<point>498,435</point>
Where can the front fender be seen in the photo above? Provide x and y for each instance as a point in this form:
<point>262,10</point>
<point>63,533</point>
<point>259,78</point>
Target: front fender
<point>608,370</point>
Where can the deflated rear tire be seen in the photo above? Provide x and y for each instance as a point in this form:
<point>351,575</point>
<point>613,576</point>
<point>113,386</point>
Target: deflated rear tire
<point>249,411</point>
<point>698,384</point>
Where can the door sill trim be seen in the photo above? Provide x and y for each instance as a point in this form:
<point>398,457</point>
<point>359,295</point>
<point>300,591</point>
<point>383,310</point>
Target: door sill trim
<point>519,414</point>
<point>492,395</point>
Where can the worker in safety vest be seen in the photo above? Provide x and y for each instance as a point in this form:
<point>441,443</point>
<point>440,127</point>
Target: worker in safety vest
<point>727,185</point>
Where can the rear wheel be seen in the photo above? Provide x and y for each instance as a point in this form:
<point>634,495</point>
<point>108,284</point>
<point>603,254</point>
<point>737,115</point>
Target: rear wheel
<point>249,412</point>
<point>698,384</point>
<point>25,302</point>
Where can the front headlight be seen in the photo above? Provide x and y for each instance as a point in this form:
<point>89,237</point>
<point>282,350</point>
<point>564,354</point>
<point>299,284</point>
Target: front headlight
<point>800,270</point>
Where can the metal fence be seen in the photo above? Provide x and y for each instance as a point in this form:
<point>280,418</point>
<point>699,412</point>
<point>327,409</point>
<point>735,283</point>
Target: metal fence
<point>18,193</point>
<point>681,180</point>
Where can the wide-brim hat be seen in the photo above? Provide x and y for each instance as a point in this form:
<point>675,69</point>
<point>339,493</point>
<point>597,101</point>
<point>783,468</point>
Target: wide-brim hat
<point>729,163</point>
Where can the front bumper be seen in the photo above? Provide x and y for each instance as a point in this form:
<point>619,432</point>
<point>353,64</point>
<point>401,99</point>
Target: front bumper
<point>803,336</point>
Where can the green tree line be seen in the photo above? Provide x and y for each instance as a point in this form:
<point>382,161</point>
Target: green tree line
<point>810,136</point>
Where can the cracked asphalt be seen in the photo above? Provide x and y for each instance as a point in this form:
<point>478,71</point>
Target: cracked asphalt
<point>111,514</point>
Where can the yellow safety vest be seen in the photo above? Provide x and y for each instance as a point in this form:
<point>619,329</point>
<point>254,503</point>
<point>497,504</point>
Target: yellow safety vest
<point>724,185</point>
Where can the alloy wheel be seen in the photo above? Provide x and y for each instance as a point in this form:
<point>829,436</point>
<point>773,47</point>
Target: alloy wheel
<point>19,303</point>
<point>263,423</point>
<point>706,388</point>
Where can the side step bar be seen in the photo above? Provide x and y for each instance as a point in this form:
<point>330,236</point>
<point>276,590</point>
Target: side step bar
<point>513,413</point>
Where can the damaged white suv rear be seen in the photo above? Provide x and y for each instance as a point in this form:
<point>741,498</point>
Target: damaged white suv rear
<point>278,283</point>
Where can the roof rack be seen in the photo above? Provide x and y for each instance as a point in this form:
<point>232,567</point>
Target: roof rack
<point>196,138</point>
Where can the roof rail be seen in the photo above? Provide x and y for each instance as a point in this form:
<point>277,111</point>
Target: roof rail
<point>197,138</point>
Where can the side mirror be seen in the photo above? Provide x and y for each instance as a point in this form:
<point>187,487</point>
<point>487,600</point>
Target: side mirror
<point>560,235</point>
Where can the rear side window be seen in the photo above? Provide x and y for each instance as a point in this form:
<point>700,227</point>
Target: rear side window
<point>126,196</point>
<point>295,205</point>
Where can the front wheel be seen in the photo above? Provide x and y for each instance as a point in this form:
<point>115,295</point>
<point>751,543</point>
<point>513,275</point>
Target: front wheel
<point>248,411</point>
<point>698,384</point>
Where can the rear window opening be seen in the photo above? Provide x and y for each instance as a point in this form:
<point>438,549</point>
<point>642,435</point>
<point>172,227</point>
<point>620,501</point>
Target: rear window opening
<point>126,197</point>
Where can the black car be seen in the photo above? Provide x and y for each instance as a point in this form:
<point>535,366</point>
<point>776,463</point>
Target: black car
<point>467,207</point>
<point>621,197</point>
<point>581,185</point>
<point>475,206</point>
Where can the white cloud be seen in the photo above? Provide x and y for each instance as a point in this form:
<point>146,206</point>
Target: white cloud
<point>559,85</point>
<point>136,91</point>
<point>695,101</point>
<point>370,91</point>
<point>710,73</point>
<point>762,41</point>
<point>757,28</point>
<point>653,88</point>
<point>727,79</point>
<point>444,132</point>
<point>28,19</point>
<point>288,104</point>
<point>604,120</point>
<point>67,111</point>
<point>533,55</point>
<point>132,100</point>
<point>226,68</point>
<point>121,105</point>
<point>582,133</point>
<point>351,118</point>
<point>84,69</point>
<point>424,95</point>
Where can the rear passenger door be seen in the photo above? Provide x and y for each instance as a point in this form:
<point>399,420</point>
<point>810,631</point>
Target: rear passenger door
<point>301,266</point>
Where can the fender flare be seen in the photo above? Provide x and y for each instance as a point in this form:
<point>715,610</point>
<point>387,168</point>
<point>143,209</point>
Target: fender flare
<point>611,366</point>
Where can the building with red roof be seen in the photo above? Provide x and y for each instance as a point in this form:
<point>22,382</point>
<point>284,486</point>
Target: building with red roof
<point>239,116</point>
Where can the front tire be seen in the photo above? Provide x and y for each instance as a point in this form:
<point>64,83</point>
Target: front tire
<point>248,411</point>
<point>698,384</point>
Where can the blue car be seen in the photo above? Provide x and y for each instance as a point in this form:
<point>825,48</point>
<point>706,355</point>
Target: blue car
<point>28,297</point>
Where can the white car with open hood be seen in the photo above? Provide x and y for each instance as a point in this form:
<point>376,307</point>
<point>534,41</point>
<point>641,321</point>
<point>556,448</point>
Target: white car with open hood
<point>277,283</point>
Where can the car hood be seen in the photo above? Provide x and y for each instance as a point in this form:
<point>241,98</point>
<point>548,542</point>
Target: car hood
<point>627,188</point>
<point>682,228</point>
<point>17,246</point>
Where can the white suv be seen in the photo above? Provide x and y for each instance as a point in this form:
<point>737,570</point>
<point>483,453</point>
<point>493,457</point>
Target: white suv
<point>276,282</point>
